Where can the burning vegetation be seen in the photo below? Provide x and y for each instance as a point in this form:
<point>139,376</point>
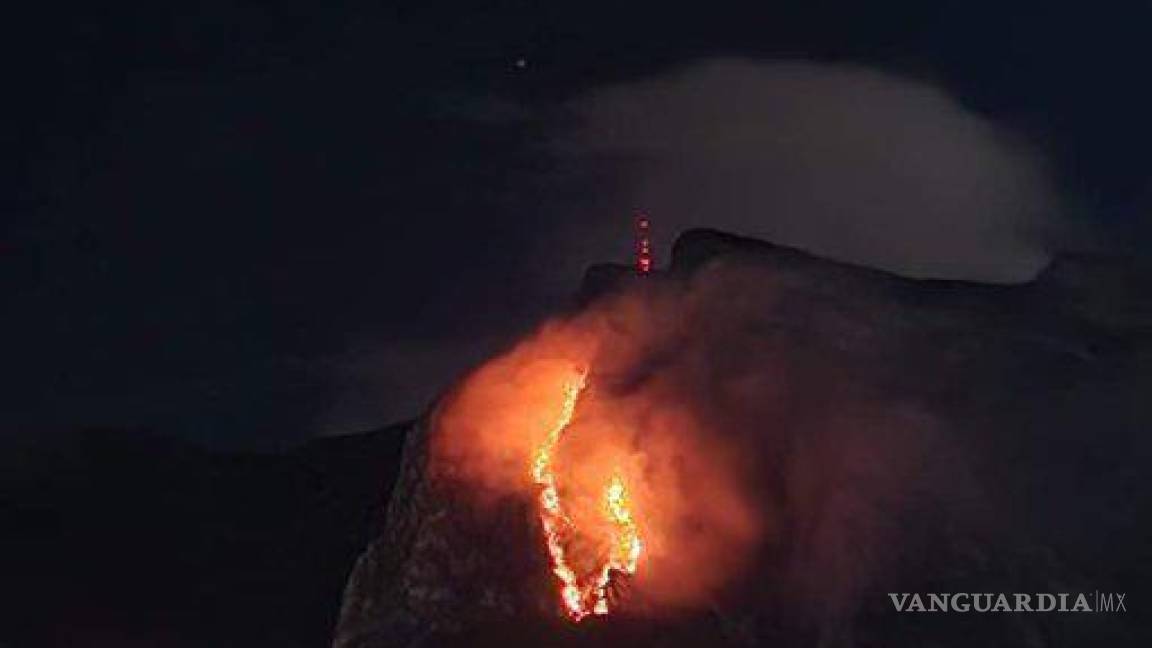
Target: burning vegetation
<point>633,509</point>
<point>617,553</point>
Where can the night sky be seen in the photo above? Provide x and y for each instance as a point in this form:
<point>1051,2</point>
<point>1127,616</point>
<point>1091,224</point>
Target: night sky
<point>247,225</point>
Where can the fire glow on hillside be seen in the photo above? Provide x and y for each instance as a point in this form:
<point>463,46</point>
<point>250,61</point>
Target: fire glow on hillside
<point>636,506</point>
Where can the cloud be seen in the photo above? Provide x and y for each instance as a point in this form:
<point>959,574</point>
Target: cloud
<point>844,161</point>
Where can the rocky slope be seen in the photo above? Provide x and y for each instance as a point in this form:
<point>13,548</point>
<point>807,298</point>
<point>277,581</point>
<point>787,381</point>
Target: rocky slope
<point>941,437</point>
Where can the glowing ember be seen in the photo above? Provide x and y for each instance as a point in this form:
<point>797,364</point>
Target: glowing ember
<point>588,594</point>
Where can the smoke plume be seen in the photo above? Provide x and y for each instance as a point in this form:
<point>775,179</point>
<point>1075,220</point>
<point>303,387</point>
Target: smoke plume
<point>740,448</point>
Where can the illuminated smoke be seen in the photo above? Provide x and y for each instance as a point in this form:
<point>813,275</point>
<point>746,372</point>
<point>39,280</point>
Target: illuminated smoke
<point>684,434</point>
<point>624,479</point>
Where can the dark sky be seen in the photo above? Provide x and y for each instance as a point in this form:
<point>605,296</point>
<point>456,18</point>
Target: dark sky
<point>247,224</point>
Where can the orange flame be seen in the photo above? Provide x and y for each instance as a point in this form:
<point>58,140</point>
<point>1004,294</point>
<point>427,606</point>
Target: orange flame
<point>582,596</point>
<point>628,486</point>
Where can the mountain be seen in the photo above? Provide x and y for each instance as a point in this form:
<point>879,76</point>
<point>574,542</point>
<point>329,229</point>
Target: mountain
<point>936,436</point>
<point>906,436</point>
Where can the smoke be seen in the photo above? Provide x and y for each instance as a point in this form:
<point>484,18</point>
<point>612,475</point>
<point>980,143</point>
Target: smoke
<point>742,447</point>
<point>697,522</point>
<point>845,161</point>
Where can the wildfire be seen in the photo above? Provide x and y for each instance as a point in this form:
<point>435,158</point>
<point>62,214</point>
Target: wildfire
<point>589,594</point>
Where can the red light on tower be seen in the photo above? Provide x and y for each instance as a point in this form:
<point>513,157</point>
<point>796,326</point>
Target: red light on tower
<point>643,244</point>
